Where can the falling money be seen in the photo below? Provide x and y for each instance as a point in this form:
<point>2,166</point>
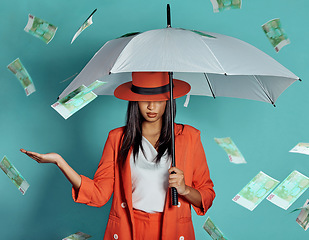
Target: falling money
<point>14,175</point>
<point>40,29</point>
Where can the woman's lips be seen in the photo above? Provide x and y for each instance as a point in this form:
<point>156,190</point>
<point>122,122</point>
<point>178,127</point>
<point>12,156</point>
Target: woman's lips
<point>152,115</point>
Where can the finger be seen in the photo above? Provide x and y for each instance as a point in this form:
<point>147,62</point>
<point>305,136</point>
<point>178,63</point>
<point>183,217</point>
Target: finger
<point>35,159</point>
<point>173,169</point>
<point>174,176</point>
<point>172,180</point>
<point>175,185</point>
<point>176,179</point>
<point>22,150</point>
<point>179,173</point>
<point>33,154</point>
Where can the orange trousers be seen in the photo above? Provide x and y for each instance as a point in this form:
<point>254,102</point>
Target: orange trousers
<point>148,225</point>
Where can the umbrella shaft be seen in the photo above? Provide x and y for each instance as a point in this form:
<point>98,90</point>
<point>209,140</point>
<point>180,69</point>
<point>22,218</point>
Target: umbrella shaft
<point>168,15</point>
<point>174,193</point>
<point>172,117</point>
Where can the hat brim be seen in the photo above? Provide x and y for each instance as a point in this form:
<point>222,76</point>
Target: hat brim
<point>124,92</point>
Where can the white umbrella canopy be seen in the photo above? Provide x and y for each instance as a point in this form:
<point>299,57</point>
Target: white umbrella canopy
<point>213,64</point>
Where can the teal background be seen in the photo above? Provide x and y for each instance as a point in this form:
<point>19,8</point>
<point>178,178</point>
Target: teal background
<point>264,134</point>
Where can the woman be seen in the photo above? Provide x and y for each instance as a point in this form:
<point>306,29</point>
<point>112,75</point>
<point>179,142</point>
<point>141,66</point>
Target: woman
<point>135,167</point>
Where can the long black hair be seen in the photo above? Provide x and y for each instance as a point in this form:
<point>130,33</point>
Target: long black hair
<point>132,134</point>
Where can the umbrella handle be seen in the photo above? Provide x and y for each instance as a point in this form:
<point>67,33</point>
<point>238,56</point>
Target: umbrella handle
<point>174,196</point>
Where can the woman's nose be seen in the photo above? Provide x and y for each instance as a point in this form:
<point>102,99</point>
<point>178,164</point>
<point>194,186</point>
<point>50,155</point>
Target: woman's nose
<point>150,105</point>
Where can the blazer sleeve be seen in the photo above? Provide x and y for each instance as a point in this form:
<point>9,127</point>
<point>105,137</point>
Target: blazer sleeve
<point>97,191</point>
<point>201,179</point>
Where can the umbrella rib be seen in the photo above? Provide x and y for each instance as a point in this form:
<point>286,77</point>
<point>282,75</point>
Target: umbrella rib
<point>212,92</point>
<point>264,90</point>
<point>214,57</point>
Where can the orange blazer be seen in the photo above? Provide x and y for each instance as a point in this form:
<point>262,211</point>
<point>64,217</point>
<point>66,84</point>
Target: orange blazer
<point>111,178</point>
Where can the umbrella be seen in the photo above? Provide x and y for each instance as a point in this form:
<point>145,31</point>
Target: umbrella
<point>213,64</point>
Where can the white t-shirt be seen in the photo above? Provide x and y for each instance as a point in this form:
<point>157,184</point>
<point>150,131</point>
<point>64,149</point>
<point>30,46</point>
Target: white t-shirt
<point>149,179</point>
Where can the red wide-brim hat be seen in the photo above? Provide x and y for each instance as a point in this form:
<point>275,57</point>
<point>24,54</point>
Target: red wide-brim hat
<point>151,86</point>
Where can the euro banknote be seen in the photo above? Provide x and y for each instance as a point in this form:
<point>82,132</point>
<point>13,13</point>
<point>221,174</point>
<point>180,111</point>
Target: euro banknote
<point>20,72</point>
<point>13,174</point>
<point>213,230</point>
<point>76,99</point>
<point>77,236</point>
<point>303,217</point>
<point>306,206</point>
<point>275,34</point>
<point>221,5</point>
<point>255,191</point>
<point>86,24</point>
<point>203,34</point>
<point>40,28</point>
<point>289,190</point>
<point>231,149</point>
<point>301,148</point>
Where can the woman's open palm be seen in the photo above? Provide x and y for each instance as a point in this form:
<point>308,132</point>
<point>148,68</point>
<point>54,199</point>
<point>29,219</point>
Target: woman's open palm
<point>43,158</point>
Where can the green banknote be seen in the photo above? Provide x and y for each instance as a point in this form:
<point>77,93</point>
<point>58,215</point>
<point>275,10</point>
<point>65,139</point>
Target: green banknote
<point>202,34</point>
<point>301,148</point>
<point>212,230</point>
<point>77,236</point>
<point>18,69</point>
<point>40,28</point>
<point>13,174</point>
<point>255,191</point>
<point>275,34</point>
<point>76,100</point>
<point>231,149</point>
<point>289,190</point>
<point>221,5</point>
<point>303,217</point>
<point>86,24</point>
<point>306,206</point>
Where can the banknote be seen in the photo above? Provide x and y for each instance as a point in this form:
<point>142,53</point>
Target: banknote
<point>221,5</point>
<point>40,28</point>
<point>275,34</point>
<point>289,190</point>
<point>212,230</point>
<point>95,85</point>
<point>13,174</point>
<point>203,34</point>
<point>301,148</point>
<point>86,24</point>
<point>306,206</point>
<point>129,34</point>
<point>255,191</point>
<point>303,217</point>
<point>231,149</point>
<point>18,69</point>
<point>76,100</point>
<point>77,236</point>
